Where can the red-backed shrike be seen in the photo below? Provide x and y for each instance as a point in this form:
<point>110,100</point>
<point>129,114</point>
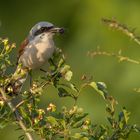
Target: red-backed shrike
<point>39,46</point>
<point>35,50</point>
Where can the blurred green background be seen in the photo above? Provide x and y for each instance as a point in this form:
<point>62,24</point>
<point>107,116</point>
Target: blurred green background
<point>84,32</point>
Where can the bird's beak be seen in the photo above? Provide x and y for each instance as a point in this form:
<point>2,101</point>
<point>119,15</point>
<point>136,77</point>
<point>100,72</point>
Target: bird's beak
<point>57,30</point>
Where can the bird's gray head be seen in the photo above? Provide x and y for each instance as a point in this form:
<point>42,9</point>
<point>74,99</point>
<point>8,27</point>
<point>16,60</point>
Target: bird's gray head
<point>44,27</point>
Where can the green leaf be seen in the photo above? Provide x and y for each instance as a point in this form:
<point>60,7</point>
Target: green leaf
<point>78,124</point>
<point>100,87</point>
<point>111,121</point>
<point>52,120</point>
<point>135,128</point>
<point>63,123</point>
<point>77,136</point>
<point>68,75</point>
<point>84,138</point>
<point>79,117</point>
<point>62,92</point>
<point>123,118</point>
<point>80,136</point>
<point>73,87</point>
<point>3,124</point>
<point>66,72</point>
<point>22,137</point>
<point>70,86</point>
<point>65,69</point>
<point>126,115</point>
<point>61,62</point>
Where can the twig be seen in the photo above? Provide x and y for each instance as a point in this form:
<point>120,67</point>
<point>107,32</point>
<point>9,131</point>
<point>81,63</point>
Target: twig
<point>19,104</point>
<point>17,115</point>
<point>120,57</point>
<point>123,28</point>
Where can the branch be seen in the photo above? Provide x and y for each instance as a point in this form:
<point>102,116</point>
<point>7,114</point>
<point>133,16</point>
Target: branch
<point>17,115</point>
<point>123,28</point>
<point>120,57</point>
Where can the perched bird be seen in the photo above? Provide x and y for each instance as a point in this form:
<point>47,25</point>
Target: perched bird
<point>39,46</point>
<point>35,50</point>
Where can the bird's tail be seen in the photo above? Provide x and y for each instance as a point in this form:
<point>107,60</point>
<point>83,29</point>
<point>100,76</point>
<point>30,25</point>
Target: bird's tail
<point>17,80</point>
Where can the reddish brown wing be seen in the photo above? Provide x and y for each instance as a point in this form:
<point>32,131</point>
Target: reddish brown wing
<point>22,47</point>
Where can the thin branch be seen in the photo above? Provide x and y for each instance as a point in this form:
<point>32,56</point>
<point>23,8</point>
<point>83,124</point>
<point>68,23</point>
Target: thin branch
<point>17,115</point>
<point>123,28</point>
<point>19,104</point>
<point>120,57</point>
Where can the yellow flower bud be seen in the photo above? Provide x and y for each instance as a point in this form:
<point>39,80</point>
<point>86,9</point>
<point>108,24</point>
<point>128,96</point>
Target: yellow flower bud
<point>51,107</point>
<point>1,103</point>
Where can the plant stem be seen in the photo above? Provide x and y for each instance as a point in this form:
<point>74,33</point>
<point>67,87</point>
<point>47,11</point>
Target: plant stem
<point>17,115</point>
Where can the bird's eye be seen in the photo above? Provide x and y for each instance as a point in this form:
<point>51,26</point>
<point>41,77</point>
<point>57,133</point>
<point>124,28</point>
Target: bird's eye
<point>42,29</point>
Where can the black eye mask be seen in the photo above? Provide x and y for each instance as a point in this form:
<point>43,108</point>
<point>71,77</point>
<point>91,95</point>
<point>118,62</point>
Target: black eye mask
<point>42,30</point>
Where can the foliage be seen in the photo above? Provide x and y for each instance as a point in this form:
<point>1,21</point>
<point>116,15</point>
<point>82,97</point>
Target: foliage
<point>49,123</point>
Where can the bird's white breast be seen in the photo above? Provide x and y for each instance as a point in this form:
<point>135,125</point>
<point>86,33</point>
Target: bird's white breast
<point>38,51</point>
